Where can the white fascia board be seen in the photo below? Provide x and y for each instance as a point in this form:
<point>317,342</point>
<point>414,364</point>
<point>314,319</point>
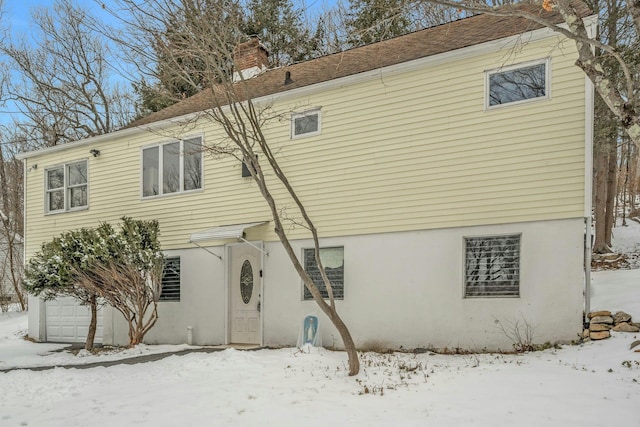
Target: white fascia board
<point>466,52</point>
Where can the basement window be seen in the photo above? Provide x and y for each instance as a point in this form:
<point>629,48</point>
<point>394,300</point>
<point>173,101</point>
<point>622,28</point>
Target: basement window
<point>518,84</point>
<point>333,263</point>
<point>305,124</point>
<point>492,266</point>
<point>171,280</point>
<point>247,167</point>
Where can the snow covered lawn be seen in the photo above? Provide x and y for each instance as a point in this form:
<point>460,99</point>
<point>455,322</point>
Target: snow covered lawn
<point>16,352</point>
<point>594,384</point>
<point>585,385</point>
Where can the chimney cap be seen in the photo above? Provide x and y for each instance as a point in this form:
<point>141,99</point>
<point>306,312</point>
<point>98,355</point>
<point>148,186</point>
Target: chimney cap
<point>254,41</point>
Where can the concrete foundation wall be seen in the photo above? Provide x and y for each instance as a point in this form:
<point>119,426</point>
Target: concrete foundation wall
<point>401,290</point>
<point>406,290</point>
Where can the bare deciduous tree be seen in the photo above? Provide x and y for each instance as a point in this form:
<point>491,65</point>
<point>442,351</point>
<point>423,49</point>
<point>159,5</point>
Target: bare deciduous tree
<point>59,91</point>
<point>230,104</point>
<point>133,294</point>
<point>11,220</point>
<point>616,29</point>
<point>61,85</point>
<point>348,24</point>
<point>11,213</point>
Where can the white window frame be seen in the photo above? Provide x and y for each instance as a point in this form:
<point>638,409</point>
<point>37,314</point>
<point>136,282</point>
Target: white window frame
<point>181,189</point>
<point>310,112</point>
<point>304,265</point>
<point>547,76</point>
<point>489,294</point>
<point>66,188</point>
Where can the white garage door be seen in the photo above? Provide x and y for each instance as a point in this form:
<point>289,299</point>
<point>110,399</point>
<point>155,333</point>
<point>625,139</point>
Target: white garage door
<point>67,321</point>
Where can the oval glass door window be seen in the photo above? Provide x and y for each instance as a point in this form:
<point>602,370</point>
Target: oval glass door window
<point>246,281</point>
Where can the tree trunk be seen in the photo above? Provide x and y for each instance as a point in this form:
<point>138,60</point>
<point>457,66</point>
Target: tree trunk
<point>347,340</point>
<point>328,309</point>
<point>243,126</point>
<point>10,232</point>
<point>135,335</point>
<point>91,335</point>
<point>601,161</point>
<point>14,279</point>
<point>633,177</point>
<point>612,169</point>
<point>625,183</point>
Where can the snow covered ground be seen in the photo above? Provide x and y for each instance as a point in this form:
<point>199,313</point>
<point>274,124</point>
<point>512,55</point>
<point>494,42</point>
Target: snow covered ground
<point>593,384</point>
<point>16,352</point>
<point>617,289</point>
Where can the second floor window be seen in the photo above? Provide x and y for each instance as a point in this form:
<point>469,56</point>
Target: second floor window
<point>172,167</point>
<point>305,124</point>
<point>66,187</point>
<point>518,83</point>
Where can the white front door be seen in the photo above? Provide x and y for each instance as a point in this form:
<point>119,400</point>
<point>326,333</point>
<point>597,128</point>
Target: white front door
<point>244,292</point>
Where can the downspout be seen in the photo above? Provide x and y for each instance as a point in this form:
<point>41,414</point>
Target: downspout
<point>41,306</point>
<point>592,29</point>
<point>24,218</point>
<point>587,267</point>
<point>588,190</point>
<point>24,214</point>
<point>261,304</point>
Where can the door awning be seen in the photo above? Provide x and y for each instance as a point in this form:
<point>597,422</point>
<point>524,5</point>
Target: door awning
<point>235,231</point>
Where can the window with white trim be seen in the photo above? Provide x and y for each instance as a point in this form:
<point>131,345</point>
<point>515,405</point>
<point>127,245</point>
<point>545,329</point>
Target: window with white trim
<point>171,280</point>
<point>66,187</point>
<point>492,266</point>
<point>305,124</point>
<point>172,167</point>
<point>519,83</point>
<point>333,263</point>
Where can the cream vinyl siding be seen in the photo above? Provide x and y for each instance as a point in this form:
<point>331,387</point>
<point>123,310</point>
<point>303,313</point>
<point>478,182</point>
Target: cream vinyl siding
<point>403,151</point>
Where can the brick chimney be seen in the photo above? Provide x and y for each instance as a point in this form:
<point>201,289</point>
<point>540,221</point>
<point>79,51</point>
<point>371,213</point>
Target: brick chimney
<point>250,59</point>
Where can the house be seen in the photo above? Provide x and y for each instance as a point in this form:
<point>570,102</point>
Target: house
<point>9,256</point>
<point>448,172</point>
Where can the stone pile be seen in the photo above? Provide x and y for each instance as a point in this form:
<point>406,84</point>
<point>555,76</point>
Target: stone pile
<point>601,323</point>
<point>609,261</point>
